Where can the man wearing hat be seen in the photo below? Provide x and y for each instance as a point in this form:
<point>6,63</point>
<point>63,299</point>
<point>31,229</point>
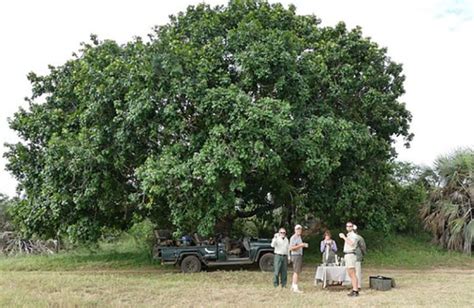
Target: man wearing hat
<point>350,244</point>
<point>296,253</point>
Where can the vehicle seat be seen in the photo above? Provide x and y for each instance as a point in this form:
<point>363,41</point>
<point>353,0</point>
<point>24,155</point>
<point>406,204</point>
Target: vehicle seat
<point>246,243</point>
<point>235,251</point>
<point>197,239</point>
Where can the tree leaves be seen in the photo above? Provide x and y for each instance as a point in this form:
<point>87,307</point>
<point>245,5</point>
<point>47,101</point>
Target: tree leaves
<point>226,112</point>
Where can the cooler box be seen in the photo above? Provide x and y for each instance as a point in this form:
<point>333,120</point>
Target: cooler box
<point>381,283</point>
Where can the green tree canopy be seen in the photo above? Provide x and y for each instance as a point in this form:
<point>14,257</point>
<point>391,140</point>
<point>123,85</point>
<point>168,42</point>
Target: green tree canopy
<point>224,112</point>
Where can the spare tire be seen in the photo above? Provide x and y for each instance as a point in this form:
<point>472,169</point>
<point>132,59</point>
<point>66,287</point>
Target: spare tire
<point>266,262</point>
<point>191,264</point>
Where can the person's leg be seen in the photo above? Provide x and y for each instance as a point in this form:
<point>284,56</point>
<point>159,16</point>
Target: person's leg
<point>352,275</point>
<point>284,272</point>
<point>351,271</point>
<point>276,270</point>
<point>358,271</point>
<point>294,280</point>
<point>294,285</point>
<point>297,264</point>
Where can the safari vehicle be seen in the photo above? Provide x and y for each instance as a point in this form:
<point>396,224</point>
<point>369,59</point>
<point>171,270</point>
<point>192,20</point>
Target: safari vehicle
<point>193,254</point>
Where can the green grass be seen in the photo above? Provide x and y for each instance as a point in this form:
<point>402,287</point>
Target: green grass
<point>415,253</point>
<point>125,254</point>
<point>393,252</point>
<point>217,288</point>
<point>400,251</point>
<point>123,274</point>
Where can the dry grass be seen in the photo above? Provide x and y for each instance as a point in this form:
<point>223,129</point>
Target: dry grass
<point>243,288</point>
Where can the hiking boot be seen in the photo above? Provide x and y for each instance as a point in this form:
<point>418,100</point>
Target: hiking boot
<point>353,293</point>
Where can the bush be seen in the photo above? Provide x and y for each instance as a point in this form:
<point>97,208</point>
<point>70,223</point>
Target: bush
<point>5,220</point>
<point>142,233</point>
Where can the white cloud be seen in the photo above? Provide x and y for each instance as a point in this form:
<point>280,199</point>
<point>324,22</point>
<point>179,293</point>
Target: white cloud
<point>432,39</point>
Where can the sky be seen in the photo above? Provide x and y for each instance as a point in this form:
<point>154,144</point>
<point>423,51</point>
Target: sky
<point>434,40</point>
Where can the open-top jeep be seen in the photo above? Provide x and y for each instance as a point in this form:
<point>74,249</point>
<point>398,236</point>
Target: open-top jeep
<point>194,254</point>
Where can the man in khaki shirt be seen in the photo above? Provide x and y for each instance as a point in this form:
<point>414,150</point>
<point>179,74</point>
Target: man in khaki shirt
<point>280,244</point>
<point>350,244</point>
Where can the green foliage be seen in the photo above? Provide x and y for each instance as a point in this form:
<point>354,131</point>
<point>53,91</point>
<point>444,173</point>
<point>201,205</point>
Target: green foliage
<point>143,234</point>
<point>83,142</point>
<point>405,194</point>
<point>227,112</point>
<point>448,212</point>
<point>413,251</point>
<point>257,227</point>
<point>5,216</point>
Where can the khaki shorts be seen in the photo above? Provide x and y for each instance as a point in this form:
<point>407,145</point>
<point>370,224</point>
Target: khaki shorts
<point>297,263</point>
<point>350,260</point>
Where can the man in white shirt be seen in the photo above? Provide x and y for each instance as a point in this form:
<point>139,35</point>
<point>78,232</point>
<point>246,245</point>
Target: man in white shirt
<point>280,262</point>
<point>350,244</point>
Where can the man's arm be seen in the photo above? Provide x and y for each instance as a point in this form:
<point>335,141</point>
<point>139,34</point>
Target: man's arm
<point>362,246</point>
<point>274,241</point>
<point>294,246</point>
<point>349,241</point>
<point>298,246</point>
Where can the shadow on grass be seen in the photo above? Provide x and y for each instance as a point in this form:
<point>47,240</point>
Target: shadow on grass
<point>232,268</point>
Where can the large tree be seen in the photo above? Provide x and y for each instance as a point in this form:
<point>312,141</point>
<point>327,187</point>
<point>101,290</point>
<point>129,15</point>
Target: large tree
<point>224,112</point>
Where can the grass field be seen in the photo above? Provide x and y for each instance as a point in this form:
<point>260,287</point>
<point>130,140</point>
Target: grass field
<point>244,288</point>
<point>124,275</point>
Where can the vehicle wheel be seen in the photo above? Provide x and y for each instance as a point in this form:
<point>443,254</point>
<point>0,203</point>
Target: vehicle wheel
<point>190,264</point>
<point>266,262</point>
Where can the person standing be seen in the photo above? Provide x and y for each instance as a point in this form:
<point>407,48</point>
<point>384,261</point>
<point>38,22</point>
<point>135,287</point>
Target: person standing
<point>350,244</point>
<point>280,244</point>
<point>360,251</point>
<point>296,253</point>
<point>328,248</point>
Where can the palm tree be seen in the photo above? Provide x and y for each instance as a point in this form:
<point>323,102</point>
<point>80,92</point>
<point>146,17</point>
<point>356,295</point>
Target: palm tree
<point>448,211</point>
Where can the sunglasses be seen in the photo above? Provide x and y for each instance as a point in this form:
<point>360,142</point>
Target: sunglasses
<point>349,226</point>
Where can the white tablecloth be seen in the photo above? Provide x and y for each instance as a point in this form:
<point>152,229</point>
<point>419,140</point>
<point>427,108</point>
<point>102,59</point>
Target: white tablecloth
<point>331,273</point>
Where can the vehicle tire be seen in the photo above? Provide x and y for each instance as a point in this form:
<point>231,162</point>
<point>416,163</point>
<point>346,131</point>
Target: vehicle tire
<point>190,264</point>
<point>266,262</point>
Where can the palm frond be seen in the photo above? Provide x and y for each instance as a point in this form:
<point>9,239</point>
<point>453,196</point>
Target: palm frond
<point>468,237</point>
<point>448,213</point>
